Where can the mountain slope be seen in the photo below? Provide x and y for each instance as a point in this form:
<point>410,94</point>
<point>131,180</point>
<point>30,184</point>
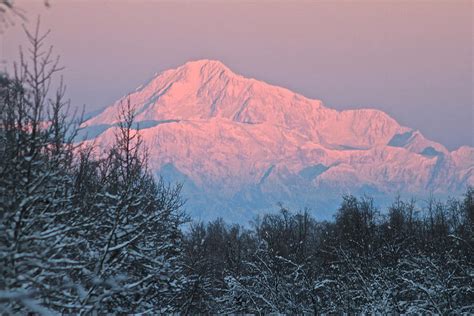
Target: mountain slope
<point>240,144</point>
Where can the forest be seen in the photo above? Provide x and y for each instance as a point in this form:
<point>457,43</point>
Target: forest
<point>87,230</point>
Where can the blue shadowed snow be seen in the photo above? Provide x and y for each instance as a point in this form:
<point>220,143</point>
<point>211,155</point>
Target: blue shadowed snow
<point>400,140</point>
<point>311,172</point>
<point>430,152</point>
<point>91,132</point>
<point>266,174</point>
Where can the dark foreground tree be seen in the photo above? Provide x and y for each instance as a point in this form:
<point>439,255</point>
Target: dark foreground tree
<point>132,250</point>
<point>80,232</point>
<point>35,187</point>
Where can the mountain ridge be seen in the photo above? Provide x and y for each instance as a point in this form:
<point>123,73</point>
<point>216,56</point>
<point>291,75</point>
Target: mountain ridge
<point>235,138</point>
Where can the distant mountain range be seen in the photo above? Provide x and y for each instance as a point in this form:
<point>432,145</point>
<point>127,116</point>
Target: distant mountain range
<point>240,145</point>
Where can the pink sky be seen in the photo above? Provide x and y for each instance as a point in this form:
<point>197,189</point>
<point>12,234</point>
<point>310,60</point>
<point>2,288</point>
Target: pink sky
<point>410,59</point>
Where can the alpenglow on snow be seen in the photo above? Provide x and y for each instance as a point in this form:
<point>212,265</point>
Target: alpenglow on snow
<point>240,146</point>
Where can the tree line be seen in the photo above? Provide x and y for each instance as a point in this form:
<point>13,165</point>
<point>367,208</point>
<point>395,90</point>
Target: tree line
<point>406,260</point>
<point>87,230</point>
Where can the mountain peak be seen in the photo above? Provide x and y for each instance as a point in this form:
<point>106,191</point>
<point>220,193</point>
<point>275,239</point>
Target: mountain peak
<point>204,68</point>
<point>205,89</point>
<point>210,63</point>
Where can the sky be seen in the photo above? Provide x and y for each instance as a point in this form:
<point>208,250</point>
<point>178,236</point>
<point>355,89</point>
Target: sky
<point>411,59</point>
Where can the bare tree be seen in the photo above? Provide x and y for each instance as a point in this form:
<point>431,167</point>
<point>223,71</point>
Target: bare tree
<point>11,11</point>
<point>38,217</point>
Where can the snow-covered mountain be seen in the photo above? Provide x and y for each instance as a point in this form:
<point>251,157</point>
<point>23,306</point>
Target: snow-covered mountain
<point>241,145</point>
